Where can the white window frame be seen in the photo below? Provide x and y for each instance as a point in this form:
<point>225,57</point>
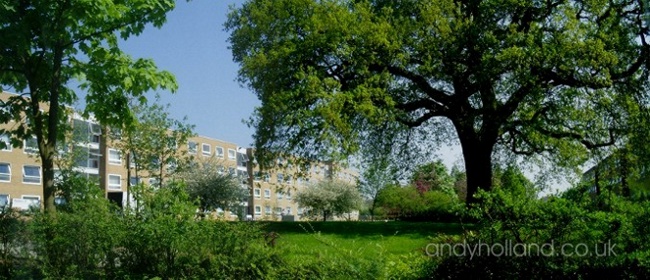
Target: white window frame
<point>205,152</point>
<point>288,195</point>
<point>112,186</point>
<point>218,151</point>
<point>258,210</point>
<point>267,210</point>
<point>279,195</point>
<point>232,154</point>
<point>113,161</point>
<point>257,193</point>
<point>189,147</point>
<point>25,176</point>
<point>4,137</point>
<point>267,194</point>
<point>7,174</point>
<point>8,198</point>
<point>30,150</point>
<point>279,178</point>
<point>28,197</point>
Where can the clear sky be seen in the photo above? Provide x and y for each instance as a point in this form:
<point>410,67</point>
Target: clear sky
<point>193,46</point>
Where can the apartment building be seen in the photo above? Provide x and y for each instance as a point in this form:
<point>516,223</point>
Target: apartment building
<point>95,155</point>
<point>273,190</point>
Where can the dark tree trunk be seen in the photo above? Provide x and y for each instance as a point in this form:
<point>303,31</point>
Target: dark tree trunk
<point>477,154</point>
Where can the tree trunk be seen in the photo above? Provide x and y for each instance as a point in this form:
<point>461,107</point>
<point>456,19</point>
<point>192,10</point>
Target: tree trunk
<point>478,164</point>
<point>48,184</point>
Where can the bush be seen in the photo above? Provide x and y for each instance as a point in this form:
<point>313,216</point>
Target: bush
<point>507,216</point>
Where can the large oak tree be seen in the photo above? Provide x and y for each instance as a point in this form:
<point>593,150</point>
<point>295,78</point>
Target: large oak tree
<point>48,44</point>
<point>551,77</point>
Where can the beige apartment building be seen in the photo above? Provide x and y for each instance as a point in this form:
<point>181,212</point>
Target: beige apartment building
<point>93,154</point>
<point>273,190</point>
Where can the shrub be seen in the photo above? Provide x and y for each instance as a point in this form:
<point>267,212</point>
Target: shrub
<point>507,216</point>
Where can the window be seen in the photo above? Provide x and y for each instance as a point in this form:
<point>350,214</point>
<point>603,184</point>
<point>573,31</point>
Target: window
<point>5,142</point>
<point>232,155</point>
<point>132,160</point>
<point>278,210</point>
<point>191,147</point>
<point>258,210</point>
<point>206,149</point>
<point>257,193</point>
<point>31,174</point>
<point>288,210</point>
<point>280,178</point>
<point>114,182</point>
<point>267,177</point>
<point>267,210</point>
<point>154,182</point>
<point>257,176</point>
<point>114,157</point>
<point>93,158</point>
<point>289,179</point>
<point>95,132</point>
<point>33,200</point>
<point>232,171</point>
<point>299,181</point>
<point>134,181</point>
<point>299,211</point>
<point>267,194</point>
<point>279,195</point>
<point>219,151</point>
<point>5,172</point>
<point>4,200</point>
<point>288,195</point>
<point>31,146</point>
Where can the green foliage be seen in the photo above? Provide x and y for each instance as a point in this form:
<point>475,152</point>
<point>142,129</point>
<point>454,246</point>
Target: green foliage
<point>213,188</point>
<point>433,176</point>
<point>410,204</point>
<point>49,44</point>
<point>12,240</point>
<point>395,78</point>
<point>330,197</point>
<point>551,224</point>
<point>153,141</point>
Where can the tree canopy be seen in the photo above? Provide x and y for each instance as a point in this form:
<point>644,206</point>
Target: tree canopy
<point>554,78</point>
<point>48,44</point>
<point>329,198</point>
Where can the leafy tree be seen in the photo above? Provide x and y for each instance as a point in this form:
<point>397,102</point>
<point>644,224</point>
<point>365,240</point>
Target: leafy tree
<point>212,187</point>
<point>330,198</point>
<point>376,176</point>
<point>152,143</point>
<point>514,182</point>
<point>432,176</point>
<point>400,202</point>
<point>48,44</point>
<point>460,182</point>
<point>526,77</point>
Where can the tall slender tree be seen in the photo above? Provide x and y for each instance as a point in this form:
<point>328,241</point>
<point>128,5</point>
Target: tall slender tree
<point>48,44</point>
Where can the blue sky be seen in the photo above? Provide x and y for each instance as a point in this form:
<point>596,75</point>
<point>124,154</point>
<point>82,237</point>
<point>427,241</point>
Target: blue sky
<point>193,46</point>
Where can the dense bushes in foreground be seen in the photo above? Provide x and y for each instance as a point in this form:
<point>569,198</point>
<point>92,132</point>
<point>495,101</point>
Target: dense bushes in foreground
<point>164,238</point>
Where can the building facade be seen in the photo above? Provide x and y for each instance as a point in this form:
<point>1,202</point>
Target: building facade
<point>97,156</point>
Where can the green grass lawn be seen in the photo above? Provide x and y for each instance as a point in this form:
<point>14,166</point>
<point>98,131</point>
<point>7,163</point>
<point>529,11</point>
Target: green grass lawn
<point>316,240</point>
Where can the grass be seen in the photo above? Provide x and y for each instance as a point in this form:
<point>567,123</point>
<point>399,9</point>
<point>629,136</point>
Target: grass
<point>368,240</point>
